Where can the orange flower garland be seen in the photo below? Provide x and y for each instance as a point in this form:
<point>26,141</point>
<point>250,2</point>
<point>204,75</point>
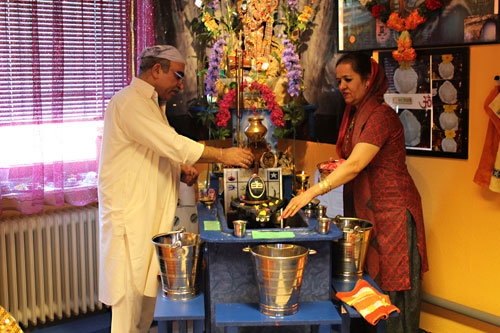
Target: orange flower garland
<point>405,53</point>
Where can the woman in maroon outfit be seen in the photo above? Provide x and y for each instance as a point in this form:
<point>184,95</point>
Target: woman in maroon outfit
<point>378,187</point>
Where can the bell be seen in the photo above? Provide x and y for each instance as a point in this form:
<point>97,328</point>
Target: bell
<point>255,130</point>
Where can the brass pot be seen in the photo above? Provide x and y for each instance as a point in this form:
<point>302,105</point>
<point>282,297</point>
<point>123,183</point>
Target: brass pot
<point>255,130</point>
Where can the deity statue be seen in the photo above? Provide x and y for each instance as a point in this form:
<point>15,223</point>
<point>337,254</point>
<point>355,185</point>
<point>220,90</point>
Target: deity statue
<point>258,19</point>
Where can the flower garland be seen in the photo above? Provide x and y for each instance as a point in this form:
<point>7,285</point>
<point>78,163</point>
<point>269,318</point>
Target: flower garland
<point>405,53</point>
<point>267,94</point>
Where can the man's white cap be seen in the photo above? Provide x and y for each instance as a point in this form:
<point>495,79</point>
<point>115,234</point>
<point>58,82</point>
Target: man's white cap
<point>168,52</point>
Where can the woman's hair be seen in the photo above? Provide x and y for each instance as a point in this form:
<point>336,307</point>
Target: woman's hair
<point>149,62</point>
<point>360,63</point>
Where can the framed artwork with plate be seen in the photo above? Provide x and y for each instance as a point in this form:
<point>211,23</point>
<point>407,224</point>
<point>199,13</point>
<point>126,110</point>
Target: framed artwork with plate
<point>432,100</point>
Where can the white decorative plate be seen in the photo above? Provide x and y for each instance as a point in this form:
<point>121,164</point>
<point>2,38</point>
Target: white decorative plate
<point>448,93</point>
<point>446,71</point>
<point>411,127</point>
<point>406,80</point>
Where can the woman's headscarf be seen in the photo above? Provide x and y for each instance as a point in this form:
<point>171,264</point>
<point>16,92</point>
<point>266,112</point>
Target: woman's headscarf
<point>377,86</point>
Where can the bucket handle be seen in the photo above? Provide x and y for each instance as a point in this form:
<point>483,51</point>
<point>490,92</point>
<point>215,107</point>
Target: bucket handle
<point>356,229</point>
<point>177,237</point>
<point>309,251</point>
<point>336,219</point>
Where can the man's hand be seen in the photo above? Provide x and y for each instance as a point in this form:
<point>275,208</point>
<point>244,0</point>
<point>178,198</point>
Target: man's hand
<point>189,175</point>
<point>237,157</point>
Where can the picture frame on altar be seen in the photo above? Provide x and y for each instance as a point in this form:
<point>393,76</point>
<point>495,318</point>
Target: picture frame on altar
<point>461,22</point>
<point>432,100</point>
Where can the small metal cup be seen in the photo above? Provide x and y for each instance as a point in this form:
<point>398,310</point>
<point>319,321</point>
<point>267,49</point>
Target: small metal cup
<point>321,211</point>
<point>309,212</point>
<point>240,227</point>
<point>323,225</point>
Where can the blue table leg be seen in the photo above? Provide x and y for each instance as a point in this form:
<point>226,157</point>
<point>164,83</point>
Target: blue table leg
<point>182,326</point>
<point>324,328</point>
<point>381,326</point>
<point>164,326</point>
<point>346,323</point>
<point>231,329</point>
<point>198,326</point>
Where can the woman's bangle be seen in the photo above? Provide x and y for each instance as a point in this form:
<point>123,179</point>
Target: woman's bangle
<point>328,185</point>
<point>324,186</point>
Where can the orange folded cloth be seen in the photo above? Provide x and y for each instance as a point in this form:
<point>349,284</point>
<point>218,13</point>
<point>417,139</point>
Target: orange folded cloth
<point>369,302</point>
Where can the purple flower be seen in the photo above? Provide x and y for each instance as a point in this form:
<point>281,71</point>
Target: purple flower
<point>291,60</point>
<point>213,73</point>
<point>293,4</point>
<point>213,4</point>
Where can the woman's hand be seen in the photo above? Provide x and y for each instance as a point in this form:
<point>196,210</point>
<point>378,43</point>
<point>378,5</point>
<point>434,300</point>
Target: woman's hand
<point>297,203</point>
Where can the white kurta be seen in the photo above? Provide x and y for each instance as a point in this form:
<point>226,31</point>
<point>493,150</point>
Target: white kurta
<point>139,177</point>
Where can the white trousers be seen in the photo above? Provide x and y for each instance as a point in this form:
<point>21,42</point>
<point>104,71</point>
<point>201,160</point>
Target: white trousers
<point>134,312</point>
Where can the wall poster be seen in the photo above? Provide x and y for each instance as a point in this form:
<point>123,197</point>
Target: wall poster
<point>431,98</point>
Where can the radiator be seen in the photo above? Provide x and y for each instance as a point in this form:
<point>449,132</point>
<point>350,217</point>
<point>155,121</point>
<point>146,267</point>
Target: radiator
<point>48,265</point>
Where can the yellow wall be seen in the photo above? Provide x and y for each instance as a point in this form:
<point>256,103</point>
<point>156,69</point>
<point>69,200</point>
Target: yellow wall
<point>462,219</point>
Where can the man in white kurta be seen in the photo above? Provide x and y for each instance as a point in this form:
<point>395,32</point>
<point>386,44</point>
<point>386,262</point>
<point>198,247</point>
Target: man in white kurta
<point>141,161</point>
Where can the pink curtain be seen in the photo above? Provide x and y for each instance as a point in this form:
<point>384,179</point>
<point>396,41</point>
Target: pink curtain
<point>58,69</point>
<point>144,27</point>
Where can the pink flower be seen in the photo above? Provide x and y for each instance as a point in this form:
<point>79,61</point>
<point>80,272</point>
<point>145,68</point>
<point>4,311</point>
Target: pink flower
<point>376,10</point>
<point>267,94</point>
<point>433,4</point>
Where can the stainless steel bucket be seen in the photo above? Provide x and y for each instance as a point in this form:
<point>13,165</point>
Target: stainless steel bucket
<point>178,253</point>
<point>349,251</point>
<point>279,269</point>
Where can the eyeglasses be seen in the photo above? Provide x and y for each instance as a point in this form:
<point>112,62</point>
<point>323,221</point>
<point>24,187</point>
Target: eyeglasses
<point>180,75</point>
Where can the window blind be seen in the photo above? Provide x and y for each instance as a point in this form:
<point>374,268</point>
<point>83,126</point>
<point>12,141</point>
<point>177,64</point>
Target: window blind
<point>62,60</point>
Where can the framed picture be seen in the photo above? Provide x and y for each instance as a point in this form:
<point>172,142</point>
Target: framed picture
<point>431,98</point>
<point>460,22</point>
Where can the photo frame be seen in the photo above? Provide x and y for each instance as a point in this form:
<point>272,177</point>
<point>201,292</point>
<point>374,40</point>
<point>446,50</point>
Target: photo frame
<point>431,98</point>
<point>460,22</point>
